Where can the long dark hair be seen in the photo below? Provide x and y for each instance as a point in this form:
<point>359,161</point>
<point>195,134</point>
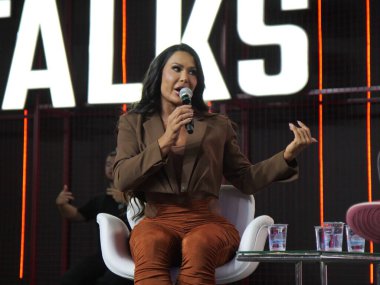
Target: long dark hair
<point>151,99</point>
<point>151,94</point>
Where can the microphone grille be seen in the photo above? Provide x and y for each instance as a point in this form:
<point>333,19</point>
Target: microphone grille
<point>185,92</point>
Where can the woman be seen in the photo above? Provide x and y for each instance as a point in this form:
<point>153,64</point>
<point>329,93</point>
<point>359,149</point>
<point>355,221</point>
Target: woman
<point>179,175</point>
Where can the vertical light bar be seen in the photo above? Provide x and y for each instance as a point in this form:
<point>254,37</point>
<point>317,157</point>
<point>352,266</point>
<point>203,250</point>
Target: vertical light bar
<point>124,47</point>
<point>320,114</point>
<point>23,194</point>
<point>368,39</point>
<point>124,41</point>
<point>368,120</point>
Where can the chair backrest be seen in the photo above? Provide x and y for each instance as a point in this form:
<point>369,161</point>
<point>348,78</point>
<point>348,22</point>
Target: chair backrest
<point>236,207</point>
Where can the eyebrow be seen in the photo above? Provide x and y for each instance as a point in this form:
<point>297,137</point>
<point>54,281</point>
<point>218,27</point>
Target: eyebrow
<point>181,65</point>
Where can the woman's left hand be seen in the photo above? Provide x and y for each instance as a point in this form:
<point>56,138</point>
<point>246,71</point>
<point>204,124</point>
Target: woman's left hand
<point>302,139</point>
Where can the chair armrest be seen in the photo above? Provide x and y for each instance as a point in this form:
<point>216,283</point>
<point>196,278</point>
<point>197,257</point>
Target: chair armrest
<point>114,245</point>
<point>255,234</point>
<point>253,239</point>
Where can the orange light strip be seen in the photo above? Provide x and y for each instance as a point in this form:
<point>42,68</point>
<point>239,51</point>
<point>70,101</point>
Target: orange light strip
<point>209,104</point>
<point>124,47</point>
<point>23,194</point>
<point>320,113</point>
<point>369,160</point>
<point>124,41</point>
<point>368,120</point>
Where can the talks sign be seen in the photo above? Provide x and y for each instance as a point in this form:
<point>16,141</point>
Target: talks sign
<point>40,17</point>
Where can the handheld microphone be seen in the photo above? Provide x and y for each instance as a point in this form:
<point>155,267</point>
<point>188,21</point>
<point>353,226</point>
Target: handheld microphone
<point>185,94</point>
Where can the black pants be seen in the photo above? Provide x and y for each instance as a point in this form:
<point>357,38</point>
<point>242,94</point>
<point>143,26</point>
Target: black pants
<point>90,271</point>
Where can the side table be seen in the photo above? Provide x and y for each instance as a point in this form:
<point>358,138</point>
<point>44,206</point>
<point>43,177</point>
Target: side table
<point>298,257</point>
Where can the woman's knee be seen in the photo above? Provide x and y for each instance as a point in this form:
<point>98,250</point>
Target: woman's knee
<point>210,236</point>
<point>195,242</point>
<point>152,241</point>
<point>212,245</point>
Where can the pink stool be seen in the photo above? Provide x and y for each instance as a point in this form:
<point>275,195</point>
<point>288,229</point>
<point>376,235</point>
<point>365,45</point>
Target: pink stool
<point>364,219</point>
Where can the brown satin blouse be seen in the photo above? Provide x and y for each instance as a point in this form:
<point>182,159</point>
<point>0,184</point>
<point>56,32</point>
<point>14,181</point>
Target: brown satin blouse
<point>176,160</point>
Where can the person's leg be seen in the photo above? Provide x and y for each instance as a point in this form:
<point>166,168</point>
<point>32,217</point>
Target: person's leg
<point>84,273</point>
<point>154,249</point>
<point>110,278</point>
<point>205,248</point>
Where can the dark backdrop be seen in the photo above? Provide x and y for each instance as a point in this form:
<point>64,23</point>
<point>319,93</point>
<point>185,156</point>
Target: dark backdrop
<point>69,146</point>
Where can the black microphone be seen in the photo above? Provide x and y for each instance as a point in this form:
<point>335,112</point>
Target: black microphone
<point>185,94</point>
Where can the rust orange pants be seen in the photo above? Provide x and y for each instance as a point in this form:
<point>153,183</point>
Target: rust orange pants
<point>189,236</point>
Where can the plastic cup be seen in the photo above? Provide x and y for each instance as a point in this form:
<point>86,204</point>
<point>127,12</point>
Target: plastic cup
<point>355,243</point>
<point>319,238</point>
<point>277,237</point>
<point>333,236</point>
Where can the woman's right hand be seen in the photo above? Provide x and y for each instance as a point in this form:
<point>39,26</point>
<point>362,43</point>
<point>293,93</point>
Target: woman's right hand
<point>181,116</point>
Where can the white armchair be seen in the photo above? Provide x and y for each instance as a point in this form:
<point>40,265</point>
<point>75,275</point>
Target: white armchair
<point>237,207</point>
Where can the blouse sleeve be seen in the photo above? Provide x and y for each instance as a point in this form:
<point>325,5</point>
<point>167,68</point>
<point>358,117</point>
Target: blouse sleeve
<point>134,162</point>
<point>248,177</point>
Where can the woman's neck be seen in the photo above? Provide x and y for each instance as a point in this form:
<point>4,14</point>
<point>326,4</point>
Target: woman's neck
<point>166,110</point>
